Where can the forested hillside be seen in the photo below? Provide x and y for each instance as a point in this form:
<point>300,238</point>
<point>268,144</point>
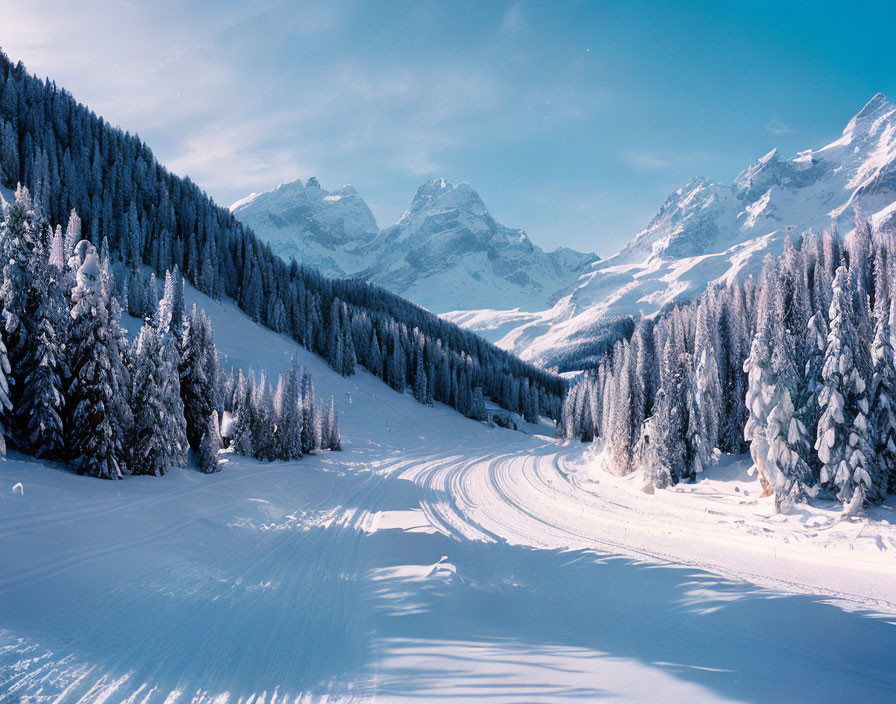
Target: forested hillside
<point>797,367</point>
<point>137,212</point>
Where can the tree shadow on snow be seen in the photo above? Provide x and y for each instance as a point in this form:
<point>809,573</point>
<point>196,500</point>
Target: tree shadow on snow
<point>305,608</point>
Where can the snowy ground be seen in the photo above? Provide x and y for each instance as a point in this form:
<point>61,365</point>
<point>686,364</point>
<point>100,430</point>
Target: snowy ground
<point>435,558</point>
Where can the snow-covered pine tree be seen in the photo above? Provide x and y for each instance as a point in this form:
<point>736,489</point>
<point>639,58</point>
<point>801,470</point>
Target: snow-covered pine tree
<point>398,363</point>
<point>242,441</point>
<point>289,421</point>
<point>309,415</point>
<point>335,338</point>
<point>665,452</point>
<point>264,421</point>
<point>317,425</point>
<point>883,387</point>
<point>72,235</point>
<point>20,236</point>
<point>619,436</point>
<point>778,437</point>
<point>333,436</point>
<point>196,387</point>
<point>5,402</point>
<point>121,415</point>
<point>420,392</point>
<point>91,439</point>
<point>679,381</point>
<point>430,384</point>
<point>349,359</point>
<point>150,304</point>
<point>175,424</point>
<point>150,449</point>
<point>842,442</point>
<point>55,257</point>
<point>38,383</point>
<point>209,446</point>
<point>374,358</point>
<point>808,410</point>
<point>477,405</point>
<point>707,389</point>
<point>27,299</point>
<point>761,382</point>
<point>737,346</point>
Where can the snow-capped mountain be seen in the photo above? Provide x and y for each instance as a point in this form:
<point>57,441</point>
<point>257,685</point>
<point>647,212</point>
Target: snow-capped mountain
<point>707,232</point>
<point>317,227</point>
<point>445,253</point>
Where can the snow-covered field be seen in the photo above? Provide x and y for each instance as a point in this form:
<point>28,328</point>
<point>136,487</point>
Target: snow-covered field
<point>434,559</point>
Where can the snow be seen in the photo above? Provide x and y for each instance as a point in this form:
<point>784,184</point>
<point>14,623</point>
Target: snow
<point>311,225</point>
<point>445,253</point>
<point>434,557</point>
<point>710,232</point>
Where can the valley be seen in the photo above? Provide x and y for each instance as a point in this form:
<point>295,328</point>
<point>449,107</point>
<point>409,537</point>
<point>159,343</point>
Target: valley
<point>433,557</point>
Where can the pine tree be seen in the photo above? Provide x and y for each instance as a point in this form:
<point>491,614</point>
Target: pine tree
<point>72,235</point>
<point>336,339</point>
<point>5,402</point>
<point>842,442</point>
<point>309,417</point>
<point>761,379</point>
<point>264,421</point>
<point>882,399</point>
<point>477,405</point>
<point>175,429</point>
<point>209,446</point>
<point>29,300</point>
<point>619,437</point>
<point>150,453</point>
<point>374,358</point>
<point>735,414</point>
<point>289,423</point>
<point>333,436</point>
<point>196,386</point>
<point>666,453</point>
<point>92,444</point>
<point>809,410</point>
<point>19,238</point>
<point>349,359</point>
<point>420,392</point>
<point>121,416</point>
<point>706,390</point>
<point>39,399</point>
<point>243,442</point>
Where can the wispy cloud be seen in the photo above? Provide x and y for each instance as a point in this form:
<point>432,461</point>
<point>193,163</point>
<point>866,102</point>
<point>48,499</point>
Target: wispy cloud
<point>514,20</point>
<point>644,161</point>
<point>776,127</point>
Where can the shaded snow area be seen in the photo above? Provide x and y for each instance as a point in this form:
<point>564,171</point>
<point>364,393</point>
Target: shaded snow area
<point>435,558</point>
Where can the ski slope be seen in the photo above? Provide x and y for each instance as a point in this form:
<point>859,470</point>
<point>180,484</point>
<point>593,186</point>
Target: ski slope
<point>435,558</point>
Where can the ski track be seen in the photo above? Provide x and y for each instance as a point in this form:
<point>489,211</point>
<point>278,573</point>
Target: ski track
<point>510,569</point>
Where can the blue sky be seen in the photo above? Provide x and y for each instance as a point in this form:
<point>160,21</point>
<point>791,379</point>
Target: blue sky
<point>573,120</point>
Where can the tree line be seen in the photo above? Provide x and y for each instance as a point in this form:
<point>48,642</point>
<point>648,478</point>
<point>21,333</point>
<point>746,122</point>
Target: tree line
<point>73,388</point>
<point>139,214</point>
<point>797,367</point>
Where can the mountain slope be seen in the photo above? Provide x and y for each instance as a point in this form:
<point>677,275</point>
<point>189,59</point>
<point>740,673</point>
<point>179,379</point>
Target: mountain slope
<point>707,232</point>
<point>319,228</point>
<point>70,158</point>
<point>445,253</point>
<point>424,562</point>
